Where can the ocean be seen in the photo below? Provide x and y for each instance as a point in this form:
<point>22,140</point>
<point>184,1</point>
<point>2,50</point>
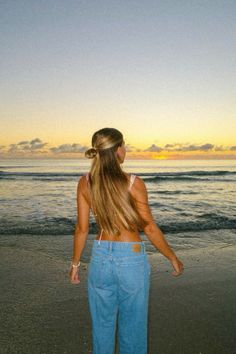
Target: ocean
<point>192,201</point>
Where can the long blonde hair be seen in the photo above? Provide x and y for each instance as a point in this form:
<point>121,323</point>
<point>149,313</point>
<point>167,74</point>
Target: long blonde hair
<point>112,204</point>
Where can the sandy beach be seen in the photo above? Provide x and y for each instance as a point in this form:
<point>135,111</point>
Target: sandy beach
<point>42,312</point>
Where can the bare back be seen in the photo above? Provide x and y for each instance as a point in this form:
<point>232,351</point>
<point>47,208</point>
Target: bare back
<point>125,235</point>
<point>138,192</point>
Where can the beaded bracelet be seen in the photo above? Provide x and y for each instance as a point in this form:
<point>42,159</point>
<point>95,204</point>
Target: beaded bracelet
<point>75,265</point>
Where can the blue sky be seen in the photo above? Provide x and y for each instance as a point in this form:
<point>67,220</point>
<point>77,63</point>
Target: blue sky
<point>163,72</point>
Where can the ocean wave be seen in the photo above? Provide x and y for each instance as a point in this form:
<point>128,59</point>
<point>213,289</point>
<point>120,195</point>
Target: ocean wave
<point>54,226</point>
<point>42,176</point>
<point>192,173</point>
<point>174,192</point>
<point>65,226</point>
<point>191,176</point>
<point>148,177</point>
<point>210,223</point>
<point>58,179</point>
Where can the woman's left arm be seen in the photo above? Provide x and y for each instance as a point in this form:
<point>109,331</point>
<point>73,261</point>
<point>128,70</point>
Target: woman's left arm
<point>81,229</point>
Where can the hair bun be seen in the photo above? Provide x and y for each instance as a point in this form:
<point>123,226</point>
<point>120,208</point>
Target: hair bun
<point>91,153</point>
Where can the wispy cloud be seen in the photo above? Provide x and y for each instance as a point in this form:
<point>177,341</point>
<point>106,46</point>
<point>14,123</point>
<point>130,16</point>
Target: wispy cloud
<point>220,148</point>
<point>36,147</point>
<point>68,148</point>
<point>153,148</point>
<point>192,147</point>
<point>178,147</point>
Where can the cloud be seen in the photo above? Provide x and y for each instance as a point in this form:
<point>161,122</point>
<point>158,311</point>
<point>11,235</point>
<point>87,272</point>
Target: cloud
<point>220,148</point>
<point>167,146</point>
<point>69,148</point>
<point>192,147</point>
<point>35,141</point>
<point>33,146</point>
<point>23,142</point>
<point>37,147</point>
<point>180,147</point>
<point>172,147</point>
<point>206,147</point>
<point>153,148</point>
<point>12,149</point>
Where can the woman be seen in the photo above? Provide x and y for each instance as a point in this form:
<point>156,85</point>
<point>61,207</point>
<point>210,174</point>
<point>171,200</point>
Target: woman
<point>119,271</point>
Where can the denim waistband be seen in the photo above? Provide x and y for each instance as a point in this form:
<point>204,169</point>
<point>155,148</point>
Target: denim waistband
<point>118,246</point>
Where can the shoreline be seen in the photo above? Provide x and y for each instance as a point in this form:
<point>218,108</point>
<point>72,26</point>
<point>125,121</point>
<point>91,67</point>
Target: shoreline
<point>43,312</point>
<point>61,246</point>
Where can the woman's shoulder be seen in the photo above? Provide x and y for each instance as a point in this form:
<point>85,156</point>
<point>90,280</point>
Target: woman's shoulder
<point>134,177</point>
<point>84,177</point>
<point>83,181</point>
<point>130,175</point>
<point>135,181</point>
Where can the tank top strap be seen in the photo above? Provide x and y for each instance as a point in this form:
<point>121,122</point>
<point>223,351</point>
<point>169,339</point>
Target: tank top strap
<point>132,178</point>
<point>100,237</point>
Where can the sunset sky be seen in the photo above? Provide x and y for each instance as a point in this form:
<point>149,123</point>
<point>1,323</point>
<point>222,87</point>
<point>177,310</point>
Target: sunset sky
<point>162,72</point>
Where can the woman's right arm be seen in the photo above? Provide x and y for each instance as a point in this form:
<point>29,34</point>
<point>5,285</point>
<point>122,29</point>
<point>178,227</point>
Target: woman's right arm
<point>153,232</point>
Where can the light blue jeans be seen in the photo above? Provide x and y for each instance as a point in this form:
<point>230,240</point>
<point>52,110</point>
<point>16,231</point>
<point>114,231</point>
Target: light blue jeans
<point>118,291</point>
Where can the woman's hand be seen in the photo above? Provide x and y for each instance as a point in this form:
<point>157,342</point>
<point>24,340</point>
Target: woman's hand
<point>178,266</point>
<point>74,275</point>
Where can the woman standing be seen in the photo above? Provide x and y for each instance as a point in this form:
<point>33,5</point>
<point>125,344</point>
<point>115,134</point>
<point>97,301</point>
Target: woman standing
<point>119,270</point>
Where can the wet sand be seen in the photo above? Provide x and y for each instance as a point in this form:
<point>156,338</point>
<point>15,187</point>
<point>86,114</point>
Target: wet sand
<point>42,312</point>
